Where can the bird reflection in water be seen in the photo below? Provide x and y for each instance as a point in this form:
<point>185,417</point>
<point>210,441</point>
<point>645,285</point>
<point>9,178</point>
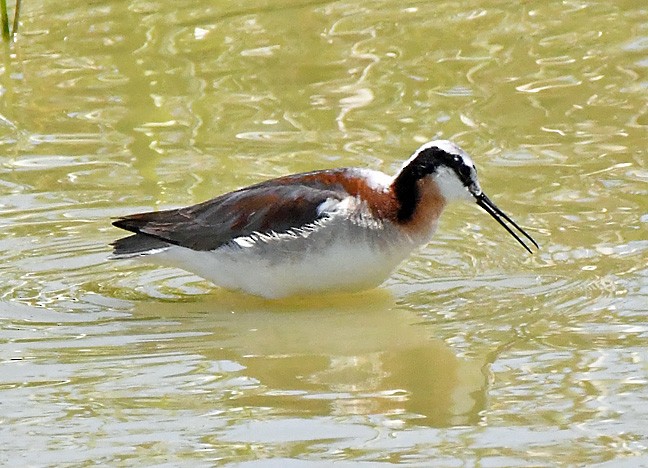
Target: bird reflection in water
<point>347,356</point>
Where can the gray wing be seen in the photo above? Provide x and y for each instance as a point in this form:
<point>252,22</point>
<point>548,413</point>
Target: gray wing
<point>264,208</point>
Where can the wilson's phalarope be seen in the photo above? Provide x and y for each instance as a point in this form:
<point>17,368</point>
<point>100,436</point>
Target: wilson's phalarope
<point>337,229</point>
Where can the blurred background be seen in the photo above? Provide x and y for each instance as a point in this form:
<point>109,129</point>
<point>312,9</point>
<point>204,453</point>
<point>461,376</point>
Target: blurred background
<point>473,353</point>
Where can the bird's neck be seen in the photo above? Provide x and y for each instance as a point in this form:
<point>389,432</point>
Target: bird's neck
<point>407,193</point>
<point>419,201</point>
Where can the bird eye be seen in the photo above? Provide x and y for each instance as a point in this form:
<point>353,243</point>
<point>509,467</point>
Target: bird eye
<point>465,172</point>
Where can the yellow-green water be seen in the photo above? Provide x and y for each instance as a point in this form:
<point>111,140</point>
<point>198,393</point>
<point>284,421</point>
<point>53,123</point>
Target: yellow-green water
<point>473,354</point>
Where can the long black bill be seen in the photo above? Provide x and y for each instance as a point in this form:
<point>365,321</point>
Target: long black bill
<point>495,212</point>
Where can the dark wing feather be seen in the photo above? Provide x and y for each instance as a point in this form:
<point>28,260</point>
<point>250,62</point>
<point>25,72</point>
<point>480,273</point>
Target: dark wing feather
<point>137,244</point>
<point>273,206</point>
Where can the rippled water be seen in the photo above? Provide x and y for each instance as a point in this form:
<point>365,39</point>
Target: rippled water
<point>473,353</point>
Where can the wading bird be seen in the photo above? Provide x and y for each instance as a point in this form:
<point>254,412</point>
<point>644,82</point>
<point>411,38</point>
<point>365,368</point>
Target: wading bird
<point>331,230</point>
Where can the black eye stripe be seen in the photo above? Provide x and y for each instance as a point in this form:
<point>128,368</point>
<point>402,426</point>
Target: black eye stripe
<point>465,173</point>
<point>428,160</point>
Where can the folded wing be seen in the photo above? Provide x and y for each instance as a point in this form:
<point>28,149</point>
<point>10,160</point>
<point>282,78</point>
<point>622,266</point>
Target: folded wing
<point>271,207</point>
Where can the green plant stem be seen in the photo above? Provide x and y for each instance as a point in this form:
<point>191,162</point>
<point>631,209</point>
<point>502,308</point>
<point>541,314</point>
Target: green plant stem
<point>6,36</point>
<point>14,30</point>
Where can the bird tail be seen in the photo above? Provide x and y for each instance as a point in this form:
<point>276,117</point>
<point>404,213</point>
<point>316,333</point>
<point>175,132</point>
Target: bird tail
<point>137,245</point>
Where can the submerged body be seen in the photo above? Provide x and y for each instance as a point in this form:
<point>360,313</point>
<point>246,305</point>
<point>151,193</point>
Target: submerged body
<point>341,229</point>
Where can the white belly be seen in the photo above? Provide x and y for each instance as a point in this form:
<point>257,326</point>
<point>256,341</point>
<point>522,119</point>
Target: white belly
<point>332,258</point>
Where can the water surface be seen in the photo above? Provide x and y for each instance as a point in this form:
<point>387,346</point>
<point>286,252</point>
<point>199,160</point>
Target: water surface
<point>473,353</point>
